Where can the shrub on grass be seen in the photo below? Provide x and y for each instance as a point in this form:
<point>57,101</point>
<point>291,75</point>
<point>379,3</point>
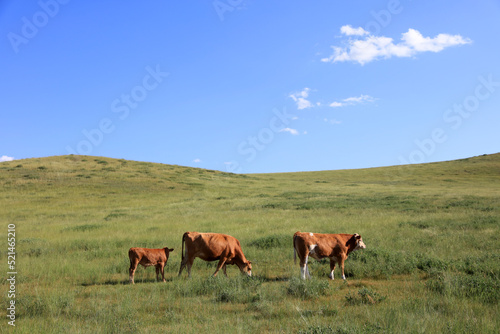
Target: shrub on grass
<point>364,296</point>
<point>82,228</point>
<point>427,263</point>
<point>487,264</point>
<point>223,289</point>
<point>226,295</point>
<point>378,262</point>
<point>327,330</point>
<point>307,289</point>
<point>483,288</point>
<point>272,241</point>
<point>37,306</point>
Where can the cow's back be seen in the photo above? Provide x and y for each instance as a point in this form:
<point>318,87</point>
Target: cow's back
<point>148,256</point>
<point>207,246</point>
<point>323,244</point>
<point>134,252</point>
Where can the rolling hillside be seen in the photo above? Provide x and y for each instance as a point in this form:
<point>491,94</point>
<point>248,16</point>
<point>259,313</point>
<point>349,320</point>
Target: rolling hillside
<point>432,261</point>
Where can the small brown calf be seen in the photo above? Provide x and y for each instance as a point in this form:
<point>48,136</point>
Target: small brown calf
<point>148,257</point>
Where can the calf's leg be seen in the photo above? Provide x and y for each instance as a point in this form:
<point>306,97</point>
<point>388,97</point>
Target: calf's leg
<point>131,271</point>
<point>157,267</point>
<point>162,270</point>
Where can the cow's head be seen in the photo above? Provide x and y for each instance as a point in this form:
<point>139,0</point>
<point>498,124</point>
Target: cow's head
<point>167,251</point>
<point>247,268</point>
<point>358,242</point>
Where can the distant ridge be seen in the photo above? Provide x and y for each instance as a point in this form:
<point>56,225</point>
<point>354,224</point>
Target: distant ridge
<point>491,159</point>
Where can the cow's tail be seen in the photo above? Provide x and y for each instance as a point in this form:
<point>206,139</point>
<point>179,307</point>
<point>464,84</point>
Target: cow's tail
<point>294,250</point>
<point>183,240</point>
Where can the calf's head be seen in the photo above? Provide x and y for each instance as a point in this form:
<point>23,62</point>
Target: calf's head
<point>358,242</point>
<point>167,251</point>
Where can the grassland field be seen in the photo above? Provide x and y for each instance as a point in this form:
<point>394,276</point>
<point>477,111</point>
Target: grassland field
<point>432,262</point>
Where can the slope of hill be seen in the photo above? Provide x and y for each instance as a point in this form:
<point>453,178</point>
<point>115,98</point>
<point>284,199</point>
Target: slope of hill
<point>95,174</point>
<point>431,232</point>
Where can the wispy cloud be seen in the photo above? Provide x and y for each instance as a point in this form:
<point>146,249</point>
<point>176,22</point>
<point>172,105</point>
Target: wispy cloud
<point>368,48</point>
<point>352,101</point>
<point>350,31</point>
<point>300,99</point>
<point>197,160</point>
<point>6,158</point>
<point>291,131</point>
<point>332,121</point>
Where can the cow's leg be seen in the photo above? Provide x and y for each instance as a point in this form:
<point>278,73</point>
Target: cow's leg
<point>189,264</point>
<point>157,267</point>
<point>332,269</point>
<point>131,271</point>
<point>162,270</point>
<point>307,268</point>
<point>224,269</point>
<point>341,264</point>
<point>303,267</point>
<point>221,263</point>
<point>184,261</point>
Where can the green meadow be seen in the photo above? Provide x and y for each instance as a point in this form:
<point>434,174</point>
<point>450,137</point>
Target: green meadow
<point>432,262</point>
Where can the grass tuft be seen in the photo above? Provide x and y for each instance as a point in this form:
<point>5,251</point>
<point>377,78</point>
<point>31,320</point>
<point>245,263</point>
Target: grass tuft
<point>307,289</point>
<point>272,241</point>
<point>364,296</point>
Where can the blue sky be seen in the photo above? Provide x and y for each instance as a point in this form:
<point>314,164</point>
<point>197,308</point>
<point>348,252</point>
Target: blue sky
<point>251,86</point>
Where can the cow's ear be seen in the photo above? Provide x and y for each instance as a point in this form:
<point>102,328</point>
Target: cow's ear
<point>249,262</point>
<point>171,250</point>
<point>357,236</point>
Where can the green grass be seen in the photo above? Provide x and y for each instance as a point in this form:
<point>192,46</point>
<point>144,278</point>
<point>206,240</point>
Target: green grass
<point>432,262</point>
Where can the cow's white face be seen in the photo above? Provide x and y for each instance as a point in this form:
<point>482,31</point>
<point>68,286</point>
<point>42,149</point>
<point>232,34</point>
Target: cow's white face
<point>247,269</point>
<point>359,242</point>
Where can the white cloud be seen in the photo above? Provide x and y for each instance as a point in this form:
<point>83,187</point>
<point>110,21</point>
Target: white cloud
<point>197,160</point>
<point>291,131</point>
<point>380,47</point>
<point>301,99</point>
<point>336,104</point>
<point>353,101</point>
<point>350,31</point>
<point>332,121</point>
<point>359,99</point>
<point>419,43</point>
<point>5,158</point>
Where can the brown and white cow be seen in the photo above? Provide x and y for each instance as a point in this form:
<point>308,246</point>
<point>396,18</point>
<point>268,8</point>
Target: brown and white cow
<point>212,247</point>
<point>148,257</point>
<point>336,247</point>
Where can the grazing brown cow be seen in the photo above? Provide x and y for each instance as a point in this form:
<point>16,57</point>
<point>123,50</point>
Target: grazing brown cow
<point>336,247</point>
<point>148,257</point>
<point>211,247</point>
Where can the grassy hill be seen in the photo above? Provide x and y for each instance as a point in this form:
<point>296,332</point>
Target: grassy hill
<point>432,262</point>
